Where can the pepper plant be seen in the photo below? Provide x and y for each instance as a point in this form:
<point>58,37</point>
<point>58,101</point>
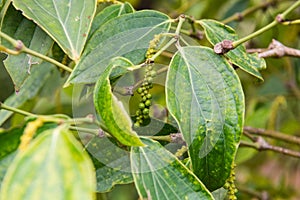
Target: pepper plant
<point>119,63</point>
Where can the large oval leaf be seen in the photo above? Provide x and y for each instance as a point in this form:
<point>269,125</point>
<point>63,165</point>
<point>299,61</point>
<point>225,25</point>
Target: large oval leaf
<point>158,174</point>
<point>217,32</point>
<point>205,97</point>
<point>111,110</point>
<point>127,35</point>
<point>67,22</point>
<point>54,166</point>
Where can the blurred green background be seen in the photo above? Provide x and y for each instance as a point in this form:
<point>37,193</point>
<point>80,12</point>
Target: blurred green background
<point>273,104</point>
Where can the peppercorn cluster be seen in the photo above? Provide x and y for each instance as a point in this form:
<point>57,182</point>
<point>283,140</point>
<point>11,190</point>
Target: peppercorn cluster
<point>145,103</point>
<point>230,186</point>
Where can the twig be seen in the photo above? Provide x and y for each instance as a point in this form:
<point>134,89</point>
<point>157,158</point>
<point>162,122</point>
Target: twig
<point>172,138</point>
<point>297,21</point>
<point>272,134</point>
<point>97,132</point>
<point>21,48</point>
<point>262,145</point>
<point>277,49</point>
<point>279,19</point>
<point>240,15</point>
<point>15,110</point>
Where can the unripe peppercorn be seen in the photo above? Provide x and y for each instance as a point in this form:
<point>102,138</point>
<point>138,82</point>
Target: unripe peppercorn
<point>146,111</point>
<point>149,96</point>
<point>148,103</point>
<point>139,90</point>
<point>136,124</point>
<point>141,105</point>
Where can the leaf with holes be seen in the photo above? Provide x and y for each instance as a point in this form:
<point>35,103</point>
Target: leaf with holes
<point>205,97</point>
<point>158,174</point>
<point>45,169</point>
<point>111,111</point>
<point>217,32</point>
<point>67,22</point>
<point>127,35</point>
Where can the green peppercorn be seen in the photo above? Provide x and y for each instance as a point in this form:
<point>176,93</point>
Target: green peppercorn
<point>148,103</point>
<point>139,90</point>
<point>146,116</point>
<point>145,111</point>
<point>141,105</point>
<point>136,124</point>
<point>138,112</point>
<point>144,98</point>
<point>148,96</point>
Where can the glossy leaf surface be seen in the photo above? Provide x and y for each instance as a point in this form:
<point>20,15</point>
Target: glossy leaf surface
<point>67,22</point>
<point>159,175</point>
<point>217,32</point>
<point>111,162</point>
<point>50,169</point>
<point>111,111</point>
<point>127,35</point>
<point>109,13</point>
<point>205,97</point>
<point>18,27</point>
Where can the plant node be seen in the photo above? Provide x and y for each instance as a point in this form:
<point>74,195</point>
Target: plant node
<point>19,45</point>
<point>223,47</point>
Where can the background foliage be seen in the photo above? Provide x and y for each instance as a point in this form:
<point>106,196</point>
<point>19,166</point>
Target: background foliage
<point>273,104</point>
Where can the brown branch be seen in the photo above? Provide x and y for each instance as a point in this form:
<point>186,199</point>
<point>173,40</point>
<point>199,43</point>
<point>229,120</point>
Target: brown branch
<point>272,134</point>
<point>278,50</point>
<point>262,145</point>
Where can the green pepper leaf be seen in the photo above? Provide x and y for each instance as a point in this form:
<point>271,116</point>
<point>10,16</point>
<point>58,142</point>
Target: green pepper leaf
<point>217,32</point>
<point>109,13</point>
<point>127,35</point>
<point>54,166</point>
<point>32,36</point>
<point>111,111</point>
<point>67,22</point>
<point>158,174</point>
<point>112,163</point>
<point>205,97</point>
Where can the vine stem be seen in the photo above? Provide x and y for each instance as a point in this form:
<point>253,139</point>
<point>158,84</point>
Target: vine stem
<point>279,19</point>
<point>21,48</point>
<point>262,145</point>
<point>15,110</point>
<point>272,134</point>
<point>165,138</point>
<point>51,118</point>
<point>240,15</point>
<point>173,40</point>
